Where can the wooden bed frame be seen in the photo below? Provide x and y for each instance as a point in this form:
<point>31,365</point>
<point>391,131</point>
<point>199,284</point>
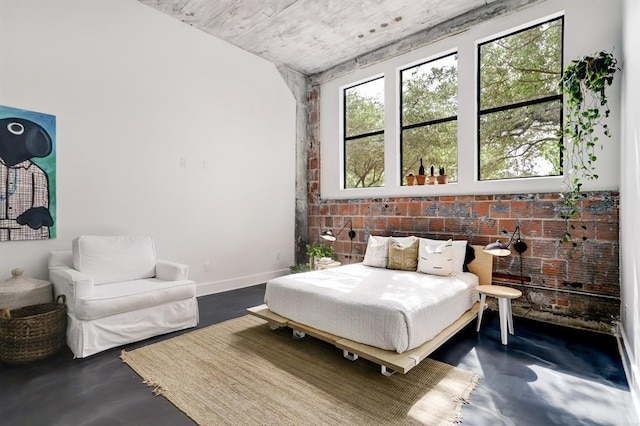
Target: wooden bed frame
<point>389,361</point>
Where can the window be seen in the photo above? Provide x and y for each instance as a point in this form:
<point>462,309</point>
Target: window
<point>428,120</point>
<point>364,135</point>
<point>520,105</point>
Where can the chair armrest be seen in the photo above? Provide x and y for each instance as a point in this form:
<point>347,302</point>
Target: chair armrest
<point>74,284</point>
<point>171,271</point>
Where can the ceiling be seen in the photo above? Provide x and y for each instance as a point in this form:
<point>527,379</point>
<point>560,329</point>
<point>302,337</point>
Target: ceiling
<point>312,36</point>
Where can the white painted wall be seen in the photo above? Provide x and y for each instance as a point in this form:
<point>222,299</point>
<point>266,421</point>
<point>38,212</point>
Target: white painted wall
<point>579,41</point>
<point>135,91</point>
<point>630,198</point>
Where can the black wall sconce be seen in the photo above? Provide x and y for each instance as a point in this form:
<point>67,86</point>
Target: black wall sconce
<point>501,249</point>
<point>330,236</point>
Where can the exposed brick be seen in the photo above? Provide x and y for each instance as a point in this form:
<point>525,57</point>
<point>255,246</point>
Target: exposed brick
<point>521,209</point>
<point>498,209</point>
<point>592,263</point>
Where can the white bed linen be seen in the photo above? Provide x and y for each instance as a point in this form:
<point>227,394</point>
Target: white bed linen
<point>389,309</point>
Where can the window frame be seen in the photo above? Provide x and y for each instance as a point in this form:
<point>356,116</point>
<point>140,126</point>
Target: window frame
<point>521,104</point>
<point>401,126</point>
<point>346,138</point>
<point>575,44</point>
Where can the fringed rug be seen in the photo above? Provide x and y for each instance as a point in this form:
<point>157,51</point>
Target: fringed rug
<point>240,372</point>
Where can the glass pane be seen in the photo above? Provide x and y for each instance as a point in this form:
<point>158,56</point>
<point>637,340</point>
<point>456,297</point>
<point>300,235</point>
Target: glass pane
<point>430,91</point>
<point>521,67</point>
<point>436,144</point>
<point>521,142</point>
<point>364,108</point>
<point>364,162</point>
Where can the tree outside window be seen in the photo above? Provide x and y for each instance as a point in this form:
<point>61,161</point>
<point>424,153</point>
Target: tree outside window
<point>520,105</point>
<point>364,134</point>
<point>429,127</point>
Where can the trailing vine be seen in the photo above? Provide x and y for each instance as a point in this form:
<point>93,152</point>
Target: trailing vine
<point>583,82</point>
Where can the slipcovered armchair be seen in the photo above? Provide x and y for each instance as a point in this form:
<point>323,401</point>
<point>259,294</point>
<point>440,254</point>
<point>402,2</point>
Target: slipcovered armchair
<point>118,292</point>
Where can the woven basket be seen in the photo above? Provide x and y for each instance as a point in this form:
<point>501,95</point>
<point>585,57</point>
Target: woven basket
<point>33,332</point>
<point>19,291</point>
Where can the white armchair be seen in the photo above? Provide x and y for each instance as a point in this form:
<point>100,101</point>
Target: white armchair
<point>118,292</point>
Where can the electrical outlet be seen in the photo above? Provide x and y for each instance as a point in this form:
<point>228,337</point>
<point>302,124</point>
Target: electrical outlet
<point>624,314</point>
<point>277,255</point>
<point>183,162</point>
<point>207,266</point>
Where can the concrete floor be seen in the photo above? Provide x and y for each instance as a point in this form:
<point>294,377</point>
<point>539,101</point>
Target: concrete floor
<point>547,375</point>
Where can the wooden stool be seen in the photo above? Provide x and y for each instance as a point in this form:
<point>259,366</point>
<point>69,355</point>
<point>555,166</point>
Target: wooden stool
<point>504,296</point>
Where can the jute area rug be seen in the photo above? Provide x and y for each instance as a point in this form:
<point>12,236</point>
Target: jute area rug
<point>240,372</point>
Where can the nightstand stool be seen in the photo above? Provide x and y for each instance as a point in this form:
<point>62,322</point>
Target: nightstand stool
<point>504,296</point>
<point>327,265</point>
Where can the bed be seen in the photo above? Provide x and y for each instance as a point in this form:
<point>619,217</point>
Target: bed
<point>394,318</point>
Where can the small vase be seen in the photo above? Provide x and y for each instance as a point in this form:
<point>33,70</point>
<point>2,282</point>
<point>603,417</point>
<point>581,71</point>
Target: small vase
<point>432,180</point>
<point>421,179</point>
<point>410,180</point>
<point>442,179</point>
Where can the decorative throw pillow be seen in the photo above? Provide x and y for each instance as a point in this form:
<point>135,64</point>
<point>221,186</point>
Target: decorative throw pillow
<point>436,259</point>
<point>459,252</point>
<point>469,257</point>
<point>377,253</point>
<point>403,253</point>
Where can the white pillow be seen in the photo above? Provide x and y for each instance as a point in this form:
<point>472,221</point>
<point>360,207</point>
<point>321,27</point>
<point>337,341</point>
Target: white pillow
<point>110,259</point>
<point>459,252</point>
<point>435,259</point>
<point>377,253</point>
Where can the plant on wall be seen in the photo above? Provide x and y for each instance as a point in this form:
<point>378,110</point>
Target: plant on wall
<point>583,82</point>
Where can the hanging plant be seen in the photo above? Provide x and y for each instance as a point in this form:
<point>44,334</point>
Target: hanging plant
<point>583,82</point>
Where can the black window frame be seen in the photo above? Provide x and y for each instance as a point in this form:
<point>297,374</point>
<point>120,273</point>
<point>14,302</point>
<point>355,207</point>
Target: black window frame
<point>423,123</point>
<point>346,138</point>
<point>520,104</point>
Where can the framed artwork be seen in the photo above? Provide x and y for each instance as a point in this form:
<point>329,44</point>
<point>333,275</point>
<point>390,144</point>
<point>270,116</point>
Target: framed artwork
<point>27,175</point>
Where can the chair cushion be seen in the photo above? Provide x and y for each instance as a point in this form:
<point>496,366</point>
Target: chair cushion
<point>113,259</point>
<point>127,296</point>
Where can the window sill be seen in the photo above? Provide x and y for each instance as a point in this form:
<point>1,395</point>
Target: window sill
<point>511,186</point>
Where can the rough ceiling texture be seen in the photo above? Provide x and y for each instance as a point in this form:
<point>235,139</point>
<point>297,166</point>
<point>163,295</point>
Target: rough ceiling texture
<point>312,36</point>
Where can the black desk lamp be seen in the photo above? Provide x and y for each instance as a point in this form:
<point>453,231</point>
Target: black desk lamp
<point>501,249</point>
<point>330,236</point>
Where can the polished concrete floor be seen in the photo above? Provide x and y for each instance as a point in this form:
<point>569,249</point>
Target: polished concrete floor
<point>547,375</point>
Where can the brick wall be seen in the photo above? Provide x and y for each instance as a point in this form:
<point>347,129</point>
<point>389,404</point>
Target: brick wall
<point>576,286</point>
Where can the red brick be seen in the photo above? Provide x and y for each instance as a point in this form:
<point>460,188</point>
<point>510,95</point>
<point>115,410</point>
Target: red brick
<point>499,209</point>
<point>521,209</point>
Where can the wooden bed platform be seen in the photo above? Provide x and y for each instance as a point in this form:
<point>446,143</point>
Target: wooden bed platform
<point>389,361</point>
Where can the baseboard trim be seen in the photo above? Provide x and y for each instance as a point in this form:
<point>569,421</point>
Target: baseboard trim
<point>220,286</point>
<point>630,368</point>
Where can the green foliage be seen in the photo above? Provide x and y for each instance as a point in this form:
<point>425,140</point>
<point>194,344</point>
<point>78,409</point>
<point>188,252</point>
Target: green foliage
<point>319,250</point>
<point>298,267</point>
<point>521,141</point>
<point>430,92</point>
<point>583,82</point>
<point>365,156</point>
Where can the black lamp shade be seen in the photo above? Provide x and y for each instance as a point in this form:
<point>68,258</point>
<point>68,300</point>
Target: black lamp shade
<point>497,249</point>
<point>328,235</point>
<point>501,249</point>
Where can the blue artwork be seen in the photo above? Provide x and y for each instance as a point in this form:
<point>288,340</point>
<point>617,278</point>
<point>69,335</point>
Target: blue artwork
<point>27,175</point>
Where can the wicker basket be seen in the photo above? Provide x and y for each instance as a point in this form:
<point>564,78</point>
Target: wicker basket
<point>33,332</point>
<point>19,291</point>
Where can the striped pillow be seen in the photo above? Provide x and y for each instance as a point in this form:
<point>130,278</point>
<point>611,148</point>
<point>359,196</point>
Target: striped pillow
<point>436,259</point>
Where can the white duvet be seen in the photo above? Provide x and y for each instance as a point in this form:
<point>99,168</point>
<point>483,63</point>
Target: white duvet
<point>389,309</point>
